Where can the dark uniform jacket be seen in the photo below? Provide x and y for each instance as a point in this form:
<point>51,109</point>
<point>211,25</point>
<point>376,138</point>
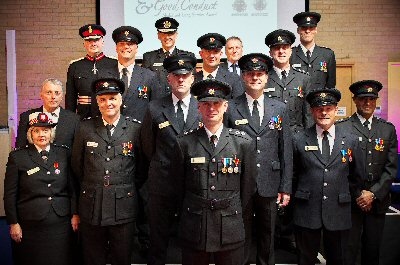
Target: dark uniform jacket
<point>68,123</point>
<point>158,138</point>
<point>32,187</point>
<point>323,192</point>
<point>273,144</point>
<point>106,169</point>
<point>81,73</point>
<point>211,212</point>
<point>381,165</point>
<point>322,67</point>
<point>225,76</point>
<point>153,60</point>
<point>293,94</point>
<point>135,101</point>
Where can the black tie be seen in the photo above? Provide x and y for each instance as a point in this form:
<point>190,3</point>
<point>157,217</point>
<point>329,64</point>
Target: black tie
<point>45,155</point>
<point>256,114</point>
<point>366,123</point>
<point>283,77</point>
<point>179,115</point>
<point>326,151</point>
<point>213,138</point>
<point>125,78</point>
<point>109,128</point>
<point>308,53</point>
<point>234,66</point>
<point>210,76</point>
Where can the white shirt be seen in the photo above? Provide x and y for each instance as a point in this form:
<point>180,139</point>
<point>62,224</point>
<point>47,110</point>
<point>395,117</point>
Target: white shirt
<point>130,70</point>
<point>279,71</point>
<point>230,68</point>
<point>114,124</point>
<point>362,120</point>
<point>304,49</point>
<point>217,133</point>
<point>184,105</point>
<point>260,105</point>
<point>205,74</point>
<point>53,116</point>
<point>331,137</point>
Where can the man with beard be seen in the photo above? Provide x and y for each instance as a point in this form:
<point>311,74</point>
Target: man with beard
<point>82,72</point>
<point>167,33</point>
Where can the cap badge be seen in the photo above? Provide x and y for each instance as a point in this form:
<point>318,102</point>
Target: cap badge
<point>42,117</point>
<point>90,29</point>
<point>254,60</point>
<point>167,24</point>
<point>126,32</point>
<point>211,91</point>
<point>308,19</point>
<point>370,89</point>
<point>322,95</point>
<point>212,39</point>
<point>181,62</point>
<point>279,38</point>
<point>106,84</point>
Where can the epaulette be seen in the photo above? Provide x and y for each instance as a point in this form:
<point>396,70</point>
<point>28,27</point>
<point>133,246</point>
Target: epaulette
<point>238,133</point>
<point>190,131</point>
<point>88,118</point>
<point>20,148</point>
<point>326,47</point>
<point>63,146</point>
<point>132,119</point>
<point>383,120</point>
<point>300,70</point>
<point>72,61</point>
<point>343,119</point>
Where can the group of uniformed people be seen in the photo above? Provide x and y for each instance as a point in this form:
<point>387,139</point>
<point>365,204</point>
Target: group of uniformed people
<point>222,150</point>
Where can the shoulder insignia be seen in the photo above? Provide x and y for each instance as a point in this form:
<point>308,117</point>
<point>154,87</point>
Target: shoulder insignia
<point>73,61</point>
<point>132,119</point>
<point>300,70</point>
<point>20,148</point>
<point>383,120</point>
<point>62,145</point>
<point>343,119</point>
<point>325,47</point>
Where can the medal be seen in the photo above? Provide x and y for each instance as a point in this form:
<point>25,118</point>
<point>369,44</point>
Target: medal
<point>379,144</point>
<point>127,148</point>
<point>350,154</point>
<point>225,163</point>
<point>324,67</point>
<point>236,161</point>
<point>57,171</point>
<point>230,168</point>
<point>94,70</point>
<point>344,153</point>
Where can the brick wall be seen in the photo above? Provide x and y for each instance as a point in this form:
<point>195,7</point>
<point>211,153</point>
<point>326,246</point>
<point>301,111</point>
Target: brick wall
<point>366,35</point>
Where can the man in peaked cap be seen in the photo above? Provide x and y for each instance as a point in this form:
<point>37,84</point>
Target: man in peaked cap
<point>106,160</point>
<point>167,33</point>
<point>211,45</point>
<point>165,119</point>
<point>83,71</point>
<point>328,168</point>
<point>286,83</point>
<point>213,167</point>
<point>378,140</point>
<point>141,84</point>
<point>266,121</point>
<point>318,61</point>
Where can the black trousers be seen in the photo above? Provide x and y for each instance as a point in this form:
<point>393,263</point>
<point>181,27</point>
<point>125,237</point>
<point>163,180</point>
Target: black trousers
<point>198,257</point>
<point>161,213</point>
<point>308,244</point>
<point>265,210</point>
<point>366,232</point>
<point>99,242</point>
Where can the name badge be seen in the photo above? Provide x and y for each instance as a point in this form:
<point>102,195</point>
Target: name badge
<point>269,89</point>
<point>360,139</point>
<point>296,65</point>
<point>164,124</point>
<point>311,148</point>
<point>92,144</point>
<point>241,122</point>
<point>32,171</point>
<point>157,64</point>
<point>198,160</point>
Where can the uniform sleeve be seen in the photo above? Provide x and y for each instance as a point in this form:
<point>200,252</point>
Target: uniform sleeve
<point>78,152</point>
<point>331,81</point>
<point>70,93</point>
<point>177,170</point>
<point>357,171</point>
<point>389,172</point>
<point>286,154</point>
<point>248,181</point>
<point>11,181</point>
<point>308,120</point>
<point>146,60</point>
<point>21,139</point>
<point>148,135</point>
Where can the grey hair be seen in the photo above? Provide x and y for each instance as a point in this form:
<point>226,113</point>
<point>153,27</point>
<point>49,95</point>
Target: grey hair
<point>29,134</point>
<point>53,81</point>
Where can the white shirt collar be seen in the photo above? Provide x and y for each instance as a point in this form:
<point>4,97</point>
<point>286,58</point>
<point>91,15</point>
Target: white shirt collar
<point>40,149</point>
<point>205,73</point>
<point>114,123</point>
<point>185,100</point>
<point>362,119</point>
<point>279,71</point>
<point>170,51</point>
<point>304,49</point>
<point>130,68</point>
<point>56,111</point>
<point>331,131</point>
<point>217,133</point>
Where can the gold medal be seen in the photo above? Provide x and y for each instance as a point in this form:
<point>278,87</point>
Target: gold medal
<point>230,170</point>
<point>224,170</point>
<point>236,169</point>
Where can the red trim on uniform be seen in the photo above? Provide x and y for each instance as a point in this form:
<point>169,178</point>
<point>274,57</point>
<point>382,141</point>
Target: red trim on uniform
<point>95,32</point>
<point>98,57</point>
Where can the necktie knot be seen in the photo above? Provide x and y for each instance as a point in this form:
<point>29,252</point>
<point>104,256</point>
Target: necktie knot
<point>366,124</point>
<point>109,127</point>
<point>210,76</point>
<point>283,74</point>
<point>234,68</point>
<point>44,154</point>
<point>125,71</point>
<point>213,139</point>
<point>167,54</point>
<point>325,134</point>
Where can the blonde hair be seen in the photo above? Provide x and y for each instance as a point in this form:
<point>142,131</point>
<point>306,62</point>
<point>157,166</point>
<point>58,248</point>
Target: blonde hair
<point>29,134</point>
